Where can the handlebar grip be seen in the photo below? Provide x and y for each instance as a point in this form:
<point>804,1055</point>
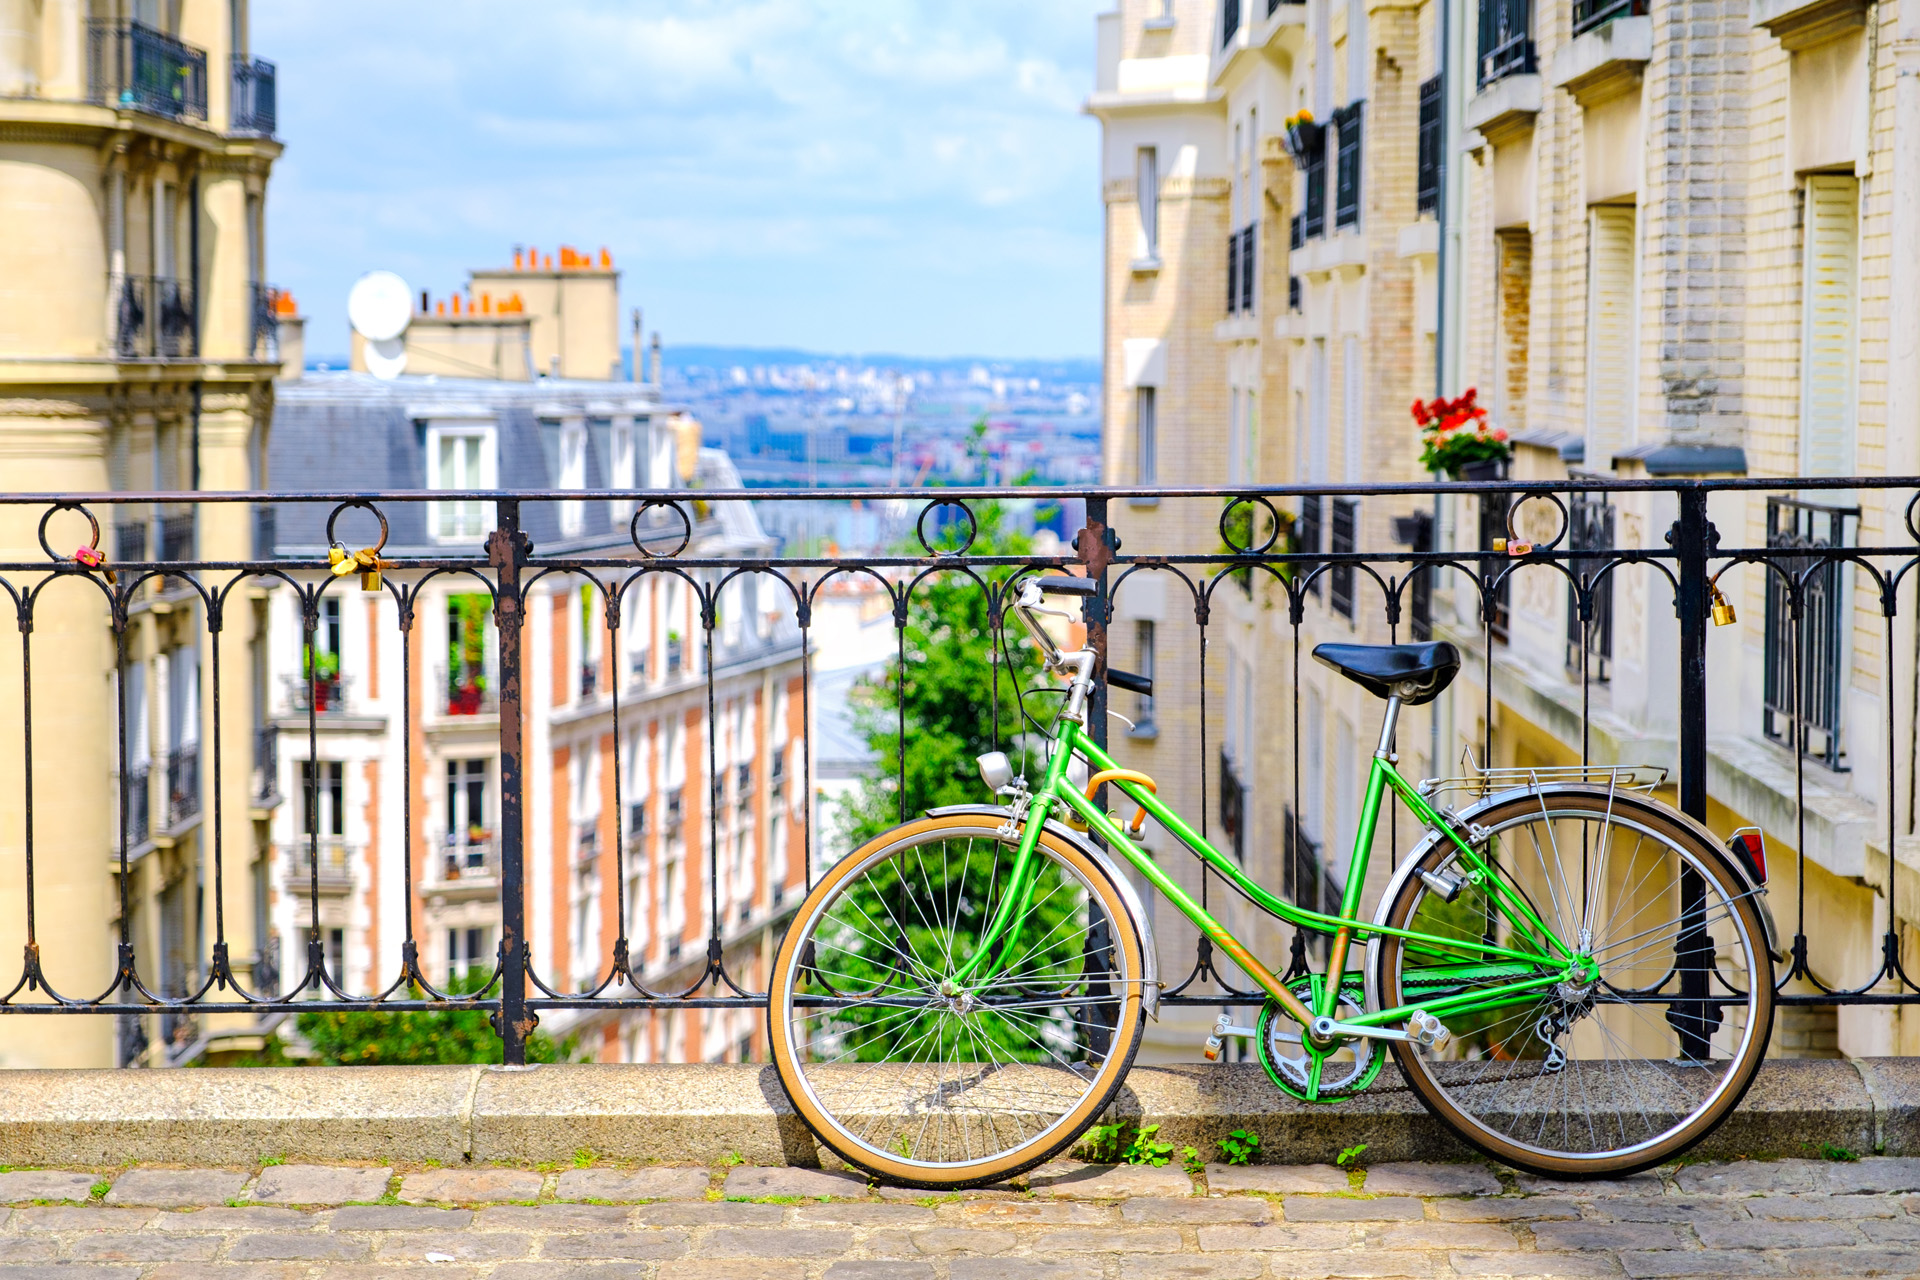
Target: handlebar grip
<point>1129,681</point>
<point>1066,586</point>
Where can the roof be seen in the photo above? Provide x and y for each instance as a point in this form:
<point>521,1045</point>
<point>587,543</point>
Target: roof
<point>352,431</point>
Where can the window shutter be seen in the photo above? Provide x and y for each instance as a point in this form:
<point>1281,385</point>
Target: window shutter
<point>1828,326</point>
<point>1611,356</point>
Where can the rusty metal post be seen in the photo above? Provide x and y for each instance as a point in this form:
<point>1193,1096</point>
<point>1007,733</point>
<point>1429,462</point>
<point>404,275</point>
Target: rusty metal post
<point>507,550</point>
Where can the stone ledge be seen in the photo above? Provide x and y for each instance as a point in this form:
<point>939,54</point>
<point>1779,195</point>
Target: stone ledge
<point>1605,62</point>
<point>1504,110</point>
<point>1800,24</point>
<point>709,1113</point>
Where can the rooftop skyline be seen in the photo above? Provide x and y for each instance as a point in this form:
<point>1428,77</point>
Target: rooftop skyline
<point>806,173</point>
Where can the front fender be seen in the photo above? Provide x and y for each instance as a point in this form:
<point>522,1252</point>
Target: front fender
<point>1142,922</point>
<point>1466,817</point>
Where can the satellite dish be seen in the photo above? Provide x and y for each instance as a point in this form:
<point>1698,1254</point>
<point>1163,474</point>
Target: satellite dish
<point>379,306</point>
<point>386,360</point>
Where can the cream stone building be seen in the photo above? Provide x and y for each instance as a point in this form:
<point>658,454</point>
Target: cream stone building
<point>137,353</point>
<point>1672,245</point>
<point>1264,324</point>
<point>1689,248</point>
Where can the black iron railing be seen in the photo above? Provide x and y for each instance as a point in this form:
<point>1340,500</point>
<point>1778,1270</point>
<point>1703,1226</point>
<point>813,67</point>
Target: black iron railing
<point>1806,650</point>
<point>1346,191</point>
<point>132,65</point>
<point>1506,39</point>
<point>1557,549</point>
<point>255,106</point>
<point>1426,187</point>
<point>153,318</point>
<point>1590,528</point>
<point>1588,14</point>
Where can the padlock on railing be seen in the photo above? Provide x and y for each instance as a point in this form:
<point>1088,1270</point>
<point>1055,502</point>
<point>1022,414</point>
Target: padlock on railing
<point>93,559</point>
<point>1723,614</point>
<point>366,562</point>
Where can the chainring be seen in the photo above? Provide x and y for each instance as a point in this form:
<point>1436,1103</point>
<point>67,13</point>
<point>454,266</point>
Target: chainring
<point>1348,1069</point>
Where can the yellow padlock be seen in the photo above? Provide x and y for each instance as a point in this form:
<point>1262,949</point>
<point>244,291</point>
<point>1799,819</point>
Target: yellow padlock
<point>339,561</point>
<point>1723,614</point>
<point>369,565</point>
<point>1499,544</point>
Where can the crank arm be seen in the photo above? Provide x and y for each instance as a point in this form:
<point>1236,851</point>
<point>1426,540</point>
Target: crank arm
<point>1423,1029</point>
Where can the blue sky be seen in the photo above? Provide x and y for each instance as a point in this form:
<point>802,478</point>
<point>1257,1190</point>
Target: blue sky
<point>887,175</point>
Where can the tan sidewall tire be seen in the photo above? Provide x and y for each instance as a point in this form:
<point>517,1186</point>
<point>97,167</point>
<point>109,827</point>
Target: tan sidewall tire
<point>1126,940</point>
<point>1683,832</point>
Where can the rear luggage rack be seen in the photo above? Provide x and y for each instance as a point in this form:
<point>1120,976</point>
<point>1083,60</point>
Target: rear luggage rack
<point>1478,783</point>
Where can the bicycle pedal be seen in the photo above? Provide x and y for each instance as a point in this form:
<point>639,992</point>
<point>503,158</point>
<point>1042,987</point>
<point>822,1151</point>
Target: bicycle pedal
<point>1426,1030</point>
<point>1222,1028</point>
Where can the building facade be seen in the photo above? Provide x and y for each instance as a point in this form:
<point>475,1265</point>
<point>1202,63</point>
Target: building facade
<point>1657,243</point>
<point>137,353</point>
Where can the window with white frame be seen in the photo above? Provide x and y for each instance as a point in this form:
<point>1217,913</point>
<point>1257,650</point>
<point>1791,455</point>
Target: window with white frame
<point>460,457</point>
<point>622,467</point>
<point>1146,436</point>
<point>571,473</point>
<point>1147,176</point>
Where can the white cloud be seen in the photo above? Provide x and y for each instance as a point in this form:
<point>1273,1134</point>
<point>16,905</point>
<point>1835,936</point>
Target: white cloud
<point>818,172</point>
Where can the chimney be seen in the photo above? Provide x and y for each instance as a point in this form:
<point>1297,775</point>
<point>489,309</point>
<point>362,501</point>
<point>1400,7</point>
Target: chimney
<point>656,358</point>
<point>638,353</point>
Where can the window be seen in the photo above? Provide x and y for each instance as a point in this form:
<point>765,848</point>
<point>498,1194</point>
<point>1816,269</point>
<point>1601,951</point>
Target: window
<point>322,806</point>
<point>1146,436</point>
<point>1147,180</point>
<point>468,950</point>
<point>1229,21</point>
<point>660,459</point>
<point>469,680</point>
<point>1611,335</point>
<point>460,459</point>
<point>1345,519</point>
<point>1308,542</point>
<point>1313,212</point>
<point>1143,659</point>
<point>469,819</point>
<point>1319,422</point>
<point>1346,194</point>
<point>326,628</point>
<point>1358,50</point>
<point>1809,655</point>
<point>1426,184</point>
<point>1829,322</point>
<point>1506,39</point>
<point>334,945</point>
<point>1590,528</point>
<point>622,469</point>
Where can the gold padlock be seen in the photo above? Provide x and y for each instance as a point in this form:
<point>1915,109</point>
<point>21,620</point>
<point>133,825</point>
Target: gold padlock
<point>1723,614</point>
<point>1499,544</point>
<point>1519,548</point>
<point>339,561</point>
<point>370,566</point>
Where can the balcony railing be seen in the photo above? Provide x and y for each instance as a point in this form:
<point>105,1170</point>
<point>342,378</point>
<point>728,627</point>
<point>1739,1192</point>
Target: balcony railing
<point>255,103</point>
<point>1588,14</point>
<point>323,695</point>
<point>153,318</point>
<point>1506,39</point>
<point>183,784</point>
<point>1426,186</point>
<point>469,859</point>
<point>138,790</point>
<point>1806,650</point>
<point>131,65</point>
<point>1346,191</point>
<point>1497,567</point>
<point>331,869</point>
<point>263,341</point>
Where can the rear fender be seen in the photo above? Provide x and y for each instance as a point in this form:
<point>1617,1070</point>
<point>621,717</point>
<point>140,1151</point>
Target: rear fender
<point>1142,922</point>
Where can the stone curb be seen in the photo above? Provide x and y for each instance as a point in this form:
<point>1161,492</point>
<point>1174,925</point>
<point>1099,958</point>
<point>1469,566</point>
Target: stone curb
<point>708,1113</point>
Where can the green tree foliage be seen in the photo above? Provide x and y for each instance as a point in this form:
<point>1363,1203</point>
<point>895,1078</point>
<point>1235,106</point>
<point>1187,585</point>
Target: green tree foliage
<point>952,684</point>
<point>366,1038</point>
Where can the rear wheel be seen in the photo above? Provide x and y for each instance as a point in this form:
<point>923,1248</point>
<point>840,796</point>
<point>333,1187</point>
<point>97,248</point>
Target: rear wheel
<point>1625,1066</point>
<point>933,1083</point>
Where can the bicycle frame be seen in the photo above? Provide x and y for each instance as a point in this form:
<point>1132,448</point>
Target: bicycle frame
<point>1003,931</point>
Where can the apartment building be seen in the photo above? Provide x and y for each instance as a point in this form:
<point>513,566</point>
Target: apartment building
<point>1688,249</point>
<point>137,352</point>
<point>1268,319</point>
<point>386,739</point>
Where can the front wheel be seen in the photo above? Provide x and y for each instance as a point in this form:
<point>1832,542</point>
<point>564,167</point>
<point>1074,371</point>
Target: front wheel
<point>1633,1053</point>
<point>934,1083</point>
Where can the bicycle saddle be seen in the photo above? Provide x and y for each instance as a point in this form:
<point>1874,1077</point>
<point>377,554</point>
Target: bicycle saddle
<point>1378,668</point>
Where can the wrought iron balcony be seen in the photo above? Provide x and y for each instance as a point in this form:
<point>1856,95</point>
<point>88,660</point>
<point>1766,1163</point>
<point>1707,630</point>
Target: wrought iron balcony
<point>153,318</point>
<point>1588,14</point>
<point>326,863</point>
<point>183,784</point>
<point>133,66</point>
<point>255,107</point>
<point>1806,649</point>
<point>1506,39</point>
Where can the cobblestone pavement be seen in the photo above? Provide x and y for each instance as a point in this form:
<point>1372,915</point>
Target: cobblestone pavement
<point>1783,1218</point>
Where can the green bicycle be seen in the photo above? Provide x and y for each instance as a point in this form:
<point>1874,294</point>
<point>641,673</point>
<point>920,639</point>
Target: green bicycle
<point>1575,978</point>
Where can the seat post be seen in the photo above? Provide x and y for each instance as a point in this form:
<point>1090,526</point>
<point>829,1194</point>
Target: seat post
<point>1387,726</point>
